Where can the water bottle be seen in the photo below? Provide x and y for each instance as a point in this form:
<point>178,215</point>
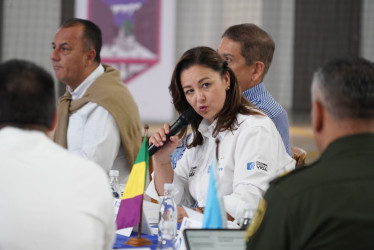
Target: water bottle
<point>167,241</point>
<point>114,184</point>
<point>168,215</point>
<point>247,216</point>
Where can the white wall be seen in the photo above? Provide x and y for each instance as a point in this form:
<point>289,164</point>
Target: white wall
<point>197,24</point>
<point>201,23</point>
<point>278,21</point>
<point>367,30</point>
<point>28,30</point>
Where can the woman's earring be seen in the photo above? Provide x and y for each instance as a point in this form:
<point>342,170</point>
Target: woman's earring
<point>228,87</point>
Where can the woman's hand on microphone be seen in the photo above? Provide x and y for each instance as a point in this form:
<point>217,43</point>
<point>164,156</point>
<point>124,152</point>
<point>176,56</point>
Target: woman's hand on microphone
<point>163,170</point>
<point>159,140</point>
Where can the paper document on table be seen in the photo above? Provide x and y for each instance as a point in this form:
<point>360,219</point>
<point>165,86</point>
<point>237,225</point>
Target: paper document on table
<point>151,211</point>
<point>125,231</point>
<point>192,214</point>
<point>146,229</point>
<point>196,216</point>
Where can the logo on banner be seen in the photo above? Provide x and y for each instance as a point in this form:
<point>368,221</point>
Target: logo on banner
<point>131,34</point>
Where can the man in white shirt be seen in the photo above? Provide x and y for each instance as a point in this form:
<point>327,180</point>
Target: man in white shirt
<point>97,116</point>
<point>49,198</point>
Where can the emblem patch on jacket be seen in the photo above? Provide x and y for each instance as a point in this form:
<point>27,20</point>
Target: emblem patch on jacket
<point>250,165</point>
<point>258,165</point>
<point>192,171</point>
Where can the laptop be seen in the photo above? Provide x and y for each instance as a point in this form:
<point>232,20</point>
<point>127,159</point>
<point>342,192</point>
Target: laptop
<point>215,239</point>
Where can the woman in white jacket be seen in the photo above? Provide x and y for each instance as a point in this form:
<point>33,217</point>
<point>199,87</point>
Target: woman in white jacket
<point>251,150</point>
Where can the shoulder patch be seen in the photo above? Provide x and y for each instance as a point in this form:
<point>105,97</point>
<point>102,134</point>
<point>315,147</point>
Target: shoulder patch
<point>257,219</point>
<point>285,173</point>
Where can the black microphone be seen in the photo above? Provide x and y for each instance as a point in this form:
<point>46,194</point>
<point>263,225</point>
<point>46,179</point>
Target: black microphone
<point>186,118</point>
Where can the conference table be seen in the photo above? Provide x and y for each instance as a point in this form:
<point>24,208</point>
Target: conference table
<point>212,239</point>
<point>150,215</point>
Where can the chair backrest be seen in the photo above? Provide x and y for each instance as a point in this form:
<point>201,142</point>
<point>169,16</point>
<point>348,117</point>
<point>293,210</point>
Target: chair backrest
<point>299,155</point>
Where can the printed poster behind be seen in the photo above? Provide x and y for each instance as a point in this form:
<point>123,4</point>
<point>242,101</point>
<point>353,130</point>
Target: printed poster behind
<point>138,42</point>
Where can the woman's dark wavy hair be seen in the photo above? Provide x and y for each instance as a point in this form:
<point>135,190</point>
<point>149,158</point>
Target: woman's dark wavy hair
<point>234,104</point>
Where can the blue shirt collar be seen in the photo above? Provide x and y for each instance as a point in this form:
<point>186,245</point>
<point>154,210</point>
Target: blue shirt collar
<point>254,92</point>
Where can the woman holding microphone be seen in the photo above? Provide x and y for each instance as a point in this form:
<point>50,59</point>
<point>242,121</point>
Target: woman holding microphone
<point>251,151</point>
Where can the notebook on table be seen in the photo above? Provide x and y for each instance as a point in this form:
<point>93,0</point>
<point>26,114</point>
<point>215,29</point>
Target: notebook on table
<point>215,239</point>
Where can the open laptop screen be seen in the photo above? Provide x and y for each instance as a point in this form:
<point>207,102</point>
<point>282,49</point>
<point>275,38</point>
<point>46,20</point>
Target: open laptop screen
<point>215,239</point>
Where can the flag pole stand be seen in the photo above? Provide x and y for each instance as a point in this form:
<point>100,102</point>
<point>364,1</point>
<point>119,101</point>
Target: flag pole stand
<point>139,241</point>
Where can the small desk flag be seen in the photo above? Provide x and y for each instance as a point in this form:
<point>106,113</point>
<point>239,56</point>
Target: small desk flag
<point>214,212</point>
<point>131,202</point>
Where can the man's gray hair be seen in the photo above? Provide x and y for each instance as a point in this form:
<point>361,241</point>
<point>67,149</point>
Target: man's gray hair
<point>345,86</point>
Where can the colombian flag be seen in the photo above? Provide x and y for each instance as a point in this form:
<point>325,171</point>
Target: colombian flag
<point>132,198</point>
